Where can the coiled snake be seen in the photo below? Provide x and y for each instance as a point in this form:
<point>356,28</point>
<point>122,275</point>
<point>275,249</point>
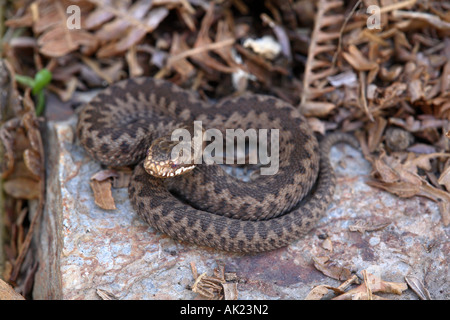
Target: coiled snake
<point>205,205</point>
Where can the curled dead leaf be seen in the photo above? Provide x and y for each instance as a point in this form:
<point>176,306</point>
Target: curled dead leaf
<point>316,109</point>
<point>8,293</point>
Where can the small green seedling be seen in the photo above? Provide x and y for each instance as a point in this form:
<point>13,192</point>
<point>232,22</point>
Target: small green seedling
<point>37,85</point>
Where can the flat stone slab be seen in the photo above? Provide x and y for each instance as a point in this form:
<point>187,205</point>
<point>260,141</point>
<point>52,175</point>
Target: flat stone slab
<point>83,249</point>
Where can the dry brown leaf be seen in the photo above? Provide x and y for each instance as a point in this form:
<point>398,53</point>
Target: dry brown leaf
<point>397,139</point>
<point>316,125</point>
<point>102,175</point>
<point>49,18</point>
<point>363,226</point>
<point>8,293</point>
<point>122,180</point>
<point>431,19</point>
<point>318,292</point>
<point>441,197</point>
<point>444,178</point>
<point>99,15</point>
<point>372,284</point>
<point>203,40</point>
<point>255,67</point>
<point>135,70</point>
<point>375,133</point>
<point>401,178</point>
<point>224,34</point>
<point>383,171</point>
<point>130,27</point>
<point>216,286</point>
<point>127,14</point>
<point>110,73</point>
<point>130,23</point>
<point>230,291</point>
<point>7,140</point>
<point>21,183</point>
<point>401,189</point>
<point>22,188</point>
<point>317,109</point>
<point>417,286</point>
<point>416,90</point>
<point>317,69</point>
<point>120,177</point>
<point>327,244</point>
<point>391,287</point>
<point>60,41</point>
<point>421,148</point>
<point>331,269</point>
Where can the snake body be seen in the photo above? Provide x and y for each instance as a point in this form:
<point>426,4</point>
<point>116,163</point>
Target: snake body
<point>207,206</point>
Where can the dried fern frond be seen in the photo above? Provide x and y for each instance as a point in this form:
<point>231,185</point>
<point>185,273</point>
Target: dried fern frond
<point>324,40</point>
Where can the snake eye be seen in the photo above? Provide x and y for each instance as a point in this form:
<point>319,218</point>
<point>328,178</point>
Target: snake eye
<point>173,165</point>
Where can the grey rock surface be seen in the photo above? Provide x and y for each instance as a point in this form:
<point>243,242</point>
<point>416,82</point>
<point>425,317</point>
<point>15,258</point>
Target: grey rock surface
<point>83,248</point>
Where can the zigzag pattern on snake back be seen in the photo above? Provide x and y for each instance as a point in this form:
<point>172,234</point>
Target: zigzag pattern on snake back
<point>207,206</point>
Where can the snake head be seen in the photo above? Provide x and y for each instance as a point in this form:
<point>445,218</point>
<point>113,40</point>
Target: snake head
<point>164,161</point>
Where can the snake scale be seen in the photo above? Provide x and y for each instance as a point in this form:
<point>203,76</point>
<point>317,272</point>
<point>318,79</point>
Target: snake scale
<point>207,206</point>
